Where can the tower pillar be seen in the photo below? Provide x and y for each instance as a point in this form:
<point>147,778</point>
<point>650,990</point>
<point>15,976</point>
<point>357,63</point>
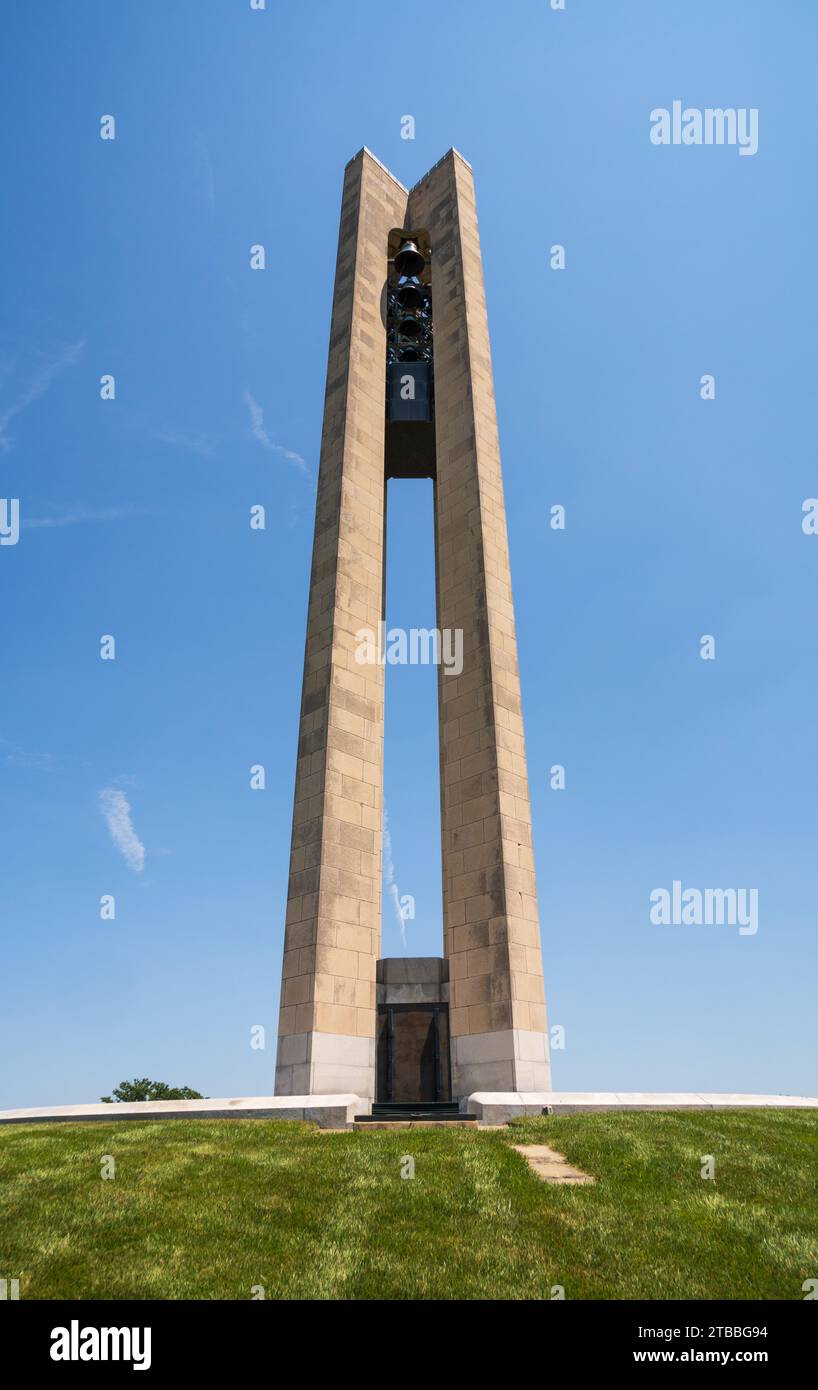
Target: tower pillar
<point>490,918</point>
<point>333,925</point>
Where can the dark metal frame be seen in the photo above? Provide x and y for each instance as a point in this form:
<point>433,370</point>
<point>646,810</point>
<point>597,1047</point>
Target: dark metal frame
<point>442,1090</point>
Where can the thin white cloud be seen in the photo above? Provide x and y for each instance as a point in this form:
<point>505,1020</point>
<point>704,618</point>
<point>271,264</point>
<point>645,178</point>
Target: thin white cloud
<point>19,757</point>
<point>180,439</point>
<point>82,514</point>
<point>116,809</point>
<point>259,432</point>
<point>36,388</point>
<point>389,876</point>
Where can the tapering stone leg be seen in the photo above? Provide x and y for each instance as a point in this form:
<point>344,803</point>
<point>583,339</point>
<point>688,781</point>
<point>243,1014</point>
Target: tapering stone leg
<point>491,927</point>
<point>332,938</point>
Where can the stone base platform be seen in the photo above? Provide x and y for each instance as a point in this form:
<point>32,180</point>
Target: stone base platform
<point>339,1111</point>
<point>328,1112</point>
<point>497,1107</point>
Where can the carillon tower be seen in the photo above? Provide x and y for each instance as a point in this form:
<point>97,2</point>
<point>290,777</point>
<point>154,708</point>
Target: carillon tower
<point>410,395</point>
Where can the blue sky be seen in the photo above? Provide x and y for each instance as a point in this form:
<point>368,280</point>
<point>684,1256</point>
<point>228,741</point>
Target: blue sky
<point>683,516</point>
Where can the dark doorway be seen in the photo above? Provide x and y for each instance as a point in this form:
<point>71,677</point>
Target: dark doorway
<point>413,1052</point>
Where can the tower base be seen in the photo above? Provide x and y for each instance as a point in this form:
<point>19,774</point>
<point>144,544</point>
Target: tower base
<point>315,1064</point>
<point>512,1060</point>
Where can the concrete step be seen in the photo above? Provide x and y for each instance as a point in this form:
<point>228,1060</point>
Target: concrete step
<point>415,1110</point>
<point>366,1122</point>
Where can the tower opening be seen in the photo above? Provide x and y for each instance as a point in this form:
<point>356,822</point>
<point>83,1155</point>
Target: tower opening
<point>412,976</point>
<point>409,445</point>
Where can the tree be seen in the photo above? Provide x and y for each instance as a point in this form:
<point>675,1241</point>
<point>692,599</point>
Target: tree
<point>143,1089</point>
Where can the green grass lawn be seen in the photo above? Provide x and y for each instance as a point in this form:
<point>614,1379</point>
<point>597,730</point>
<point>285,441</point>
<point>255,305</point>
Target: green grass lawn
<point>209,1208</point>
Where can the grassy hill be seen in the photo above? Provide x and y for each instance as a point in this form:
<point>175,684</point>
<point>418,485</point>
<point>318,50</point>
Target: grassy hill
<point>209,1209</point>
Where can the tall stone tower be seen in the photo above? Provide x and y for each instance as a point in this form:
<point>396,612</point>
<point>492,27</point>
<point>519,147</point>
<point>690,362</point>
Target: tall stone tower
<point>410,394</point>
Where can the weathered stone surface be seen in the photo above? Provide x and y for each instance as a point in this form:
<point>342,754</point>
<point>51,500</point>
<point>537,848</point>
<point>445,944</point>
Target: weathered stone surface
<point>550,1166</point>
<point>326,1111</point>
<point>497,1107</point>
<point>413,980</point>
<point>491,927</point>
<point>332,933</point>
<point>404,970</point>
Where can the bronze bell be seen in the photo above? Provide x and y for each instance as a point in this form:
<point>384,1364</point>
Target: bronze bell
<point>409,261</point>
<point>409,328</point>
<point>410,296</point>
